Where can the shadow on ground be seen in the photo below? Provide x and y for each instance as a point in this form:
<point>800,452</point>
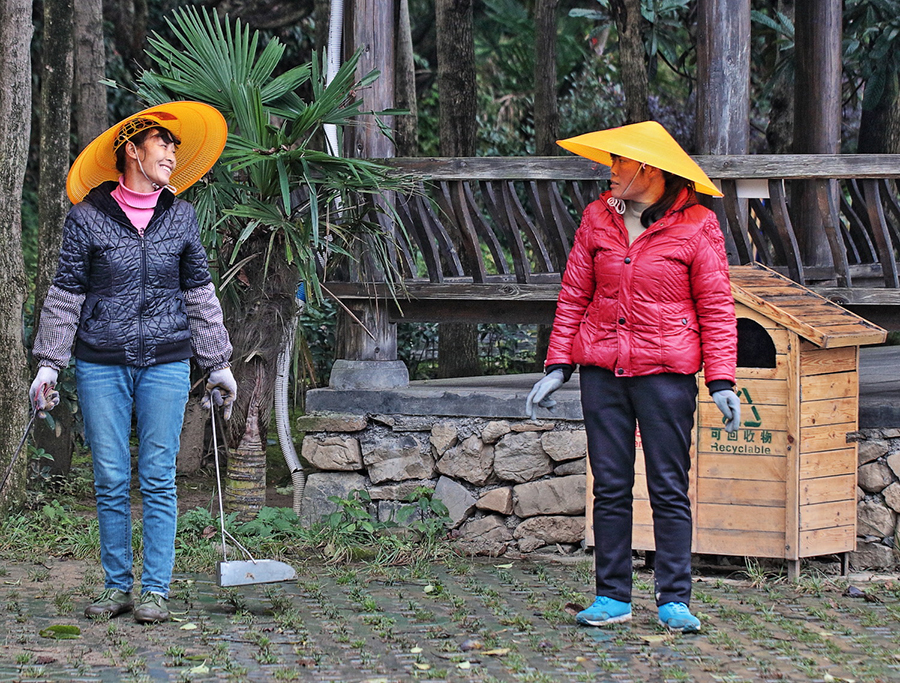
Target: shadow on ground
<point>459,620</point>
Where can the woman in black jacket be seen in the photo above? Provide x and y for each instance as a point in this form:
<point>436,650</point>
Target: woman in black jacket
<point>133,295</point>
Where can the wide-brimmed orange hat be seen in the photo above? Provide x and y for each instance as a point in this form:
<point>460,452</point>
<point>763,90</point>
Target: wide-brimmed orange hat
<point>647,142</point>
<point>200,127</point>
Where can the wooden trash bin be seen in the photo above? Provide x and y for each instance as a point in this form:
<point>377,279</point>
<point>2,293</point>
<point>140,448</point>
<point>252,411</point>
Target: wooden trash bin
<point>784,484</point>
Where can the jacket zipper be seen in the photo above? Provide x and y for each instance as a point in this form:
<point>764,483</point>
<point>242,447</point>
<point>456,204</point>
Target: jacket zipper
<point>143,298</point>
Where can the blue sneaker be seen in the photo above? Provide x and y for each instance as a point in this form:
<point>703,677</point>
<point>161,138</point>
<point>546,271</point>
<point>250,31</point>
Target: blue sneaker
<point>605,611</point>
<point>676,616</point>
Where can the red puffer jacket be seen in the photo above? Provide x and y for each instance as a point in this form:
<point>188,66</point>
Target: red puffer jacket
<point>661,304</point>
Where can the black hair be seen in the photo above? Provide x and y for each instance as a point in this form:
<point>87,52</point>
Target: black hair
<point>674,185</point>
<point>138,139</point>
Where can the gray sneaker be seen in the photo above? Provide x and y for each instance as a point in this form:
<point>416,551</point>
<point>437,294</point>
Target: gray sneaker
<point>110,603</point>
<point>151,609</point>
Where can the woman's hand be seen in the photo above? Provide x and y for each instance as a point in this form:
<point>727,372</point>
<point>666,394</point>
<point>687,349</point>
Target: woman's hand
<point>221,389</point>
<point>728,402</point>
<point>42,393</point>
<point>540,392</point>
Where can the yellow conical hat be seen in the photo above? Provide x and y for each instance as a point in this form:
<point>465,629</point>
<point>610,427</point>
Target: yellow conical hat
<point>647,142</point>
<point>200,127</point>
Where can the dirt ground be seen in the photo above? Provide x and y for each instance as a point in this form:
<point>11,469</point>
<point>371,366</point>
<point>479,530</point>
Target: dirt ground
<point>460,620</point>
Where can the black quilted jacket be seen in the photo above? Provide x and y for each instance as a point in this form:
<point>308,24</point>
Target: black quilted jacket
<point>133,312</point>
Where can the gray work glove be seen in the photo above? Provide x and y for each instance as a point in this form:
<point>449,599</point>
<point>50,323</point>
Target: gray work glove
<point>728,402</point>
<point>221,389</point>
<point>42,393</point>
<point>540,392</point>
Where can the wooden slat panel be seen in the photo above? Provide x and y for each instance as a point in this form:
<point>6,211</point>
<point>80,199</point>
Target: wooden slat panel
<point>422,231</point>
<point>827,515</point>
<point>828,463</point>
<point>534,236</point>
<point>785,230</point>
<point>815,361</point>
<point>754,416</point>
<point>775,445</point>
<point>750,543</point>
<point>828,489</point>
<point>741,492</point>
<point>740,517</point>
<point>880,233</point>
<point>829,541</point>
<point>830,437</point>
<point>642,537</point>
<point>834,385</point>
<point>825,197</point>
<point>828,412</point>
<point>759,467</point>
<point>485,231</point>
<point>506,223</point>
<point>736,215</point>
<point>454,194</point>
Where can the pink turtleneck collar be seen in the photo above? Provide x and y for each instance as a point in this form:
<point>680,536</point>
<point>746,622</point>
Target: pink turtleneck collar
<point>138,206</point>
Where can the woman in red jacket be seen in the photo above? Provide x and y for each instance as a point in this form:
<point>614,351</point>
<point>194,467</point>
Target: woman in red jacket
<point>645,302</point>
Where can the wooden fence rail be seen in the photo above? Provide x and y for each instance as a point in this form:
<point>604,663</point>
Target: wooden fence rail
<point>486,239</point>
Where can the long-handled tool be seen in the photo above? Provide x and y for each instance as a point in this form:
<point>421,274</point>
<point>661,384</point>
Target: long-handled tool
<point>51,398</point>
<point>242,572</point>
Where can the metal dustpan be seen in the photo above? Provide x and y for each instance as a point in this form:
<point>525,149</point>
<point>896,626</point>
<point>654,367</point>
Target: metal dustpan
<point>242,572</point>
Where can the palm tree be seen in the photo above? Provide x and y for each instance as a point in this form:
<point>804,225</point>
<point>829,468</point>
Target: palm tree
<point>275,211</point>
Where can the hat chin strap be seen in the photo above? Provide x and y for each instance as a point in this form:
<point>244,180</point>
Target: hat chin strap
<point>156,186</point>
<point>615,202</point>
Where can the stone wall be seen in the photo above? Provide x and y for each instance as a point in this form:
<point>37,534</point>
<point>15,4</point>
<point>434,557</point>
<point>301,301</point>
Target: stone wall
<point>509,485</point>
<point>518,485</point>
<point>878,495</point>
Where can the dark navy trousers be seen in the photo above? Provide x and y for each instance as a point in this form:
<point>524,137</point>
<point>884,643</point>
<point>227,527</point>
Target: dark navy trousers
<point>663,406</point>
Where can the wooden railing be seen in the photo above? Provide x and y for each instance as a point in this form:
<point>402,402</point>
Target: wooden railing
<point>486,239</point>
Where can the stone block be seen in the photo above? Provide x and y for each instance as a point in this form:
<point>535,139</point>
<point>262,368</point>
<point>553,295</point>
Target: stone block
<point>875,476</point>
<point>484,536</point>
<point>860,494</point>
<point>892,496</point>
<point>871,450</point>
<point>571,467</point>
<point>471,461</point>
<point>320,486</point>
<point>893,461</point>
<point>519,457</point>
<point>405,423</point>
<point>559,496</point>
<point>562,446</point>
<point>875,518</point>
<point>460,503</point>
<point>400,490</point>
<point>331,422</point>
<point>494,431</point>
<point>497,500</point>
<point>872,556</point>
<point>340,453</point>
<point>396,458</point>
<point>539,531</point>
<point>532,426</point>
<point>890,433</point>
<point>368,375</point>
<point>443,436</point>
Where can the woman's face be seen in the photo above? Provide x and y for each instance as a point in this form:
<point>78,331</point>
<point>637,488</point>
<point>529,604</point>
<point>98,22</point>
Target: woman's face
<point>632,180</point>
<point>157,158</point>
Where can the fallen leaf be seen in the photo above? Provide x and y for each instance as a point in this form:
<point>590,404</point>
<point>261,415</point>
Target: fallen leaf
<point>581,659</point>
<point>655,639</point>
<point>61,632</point>
<point>188,627</point>
<point>429,588</point>
<point>503,566</point>
<point>200,669</point>
<point>470,644</point>
<point>422,667</point>
<point>499,652</point>
<point>464,665</point>
<point>415,650</point>
<point>573,608</point>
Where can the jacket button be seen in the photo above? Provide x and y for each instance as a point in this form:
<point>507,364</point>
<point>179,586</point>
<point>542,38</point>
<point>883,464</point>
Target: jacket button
<point>620,371</point>
<point>621,321</point>
<point>684,321</point>
<point>627,259</point>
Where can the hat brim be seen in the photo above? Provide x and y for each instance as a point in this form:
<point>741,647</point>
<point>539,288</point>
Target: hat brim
<point>647,142</point>
<point>200,127</point>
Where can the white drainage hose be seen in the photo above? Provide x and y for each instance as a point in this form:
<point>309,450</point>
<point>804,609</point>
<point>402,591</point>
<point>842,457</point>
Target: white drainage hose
<point>335,30</point>
<point>282,415</point>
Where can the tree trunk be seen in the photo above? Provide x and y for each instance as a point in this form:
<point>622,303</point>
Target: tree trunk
<point>405,127</point>
<point>90,69</point>
<point>456,77</point>
<point>129,21</point>
<point>546,112</point>
<point>879,128</point>
<point>15,126</point>
<point>632,61</point>
<point>458,342</point>
<point>53,204</point>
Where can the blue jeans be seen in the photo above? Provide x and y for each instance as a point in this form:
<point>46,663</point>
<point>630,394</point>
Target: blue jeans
<point>158,394</point>
<point>663,405</point>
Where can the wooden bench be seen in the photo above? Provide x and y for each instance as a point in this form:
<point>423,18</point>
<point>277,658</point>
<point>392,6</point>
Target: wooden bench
<point>486,239</point>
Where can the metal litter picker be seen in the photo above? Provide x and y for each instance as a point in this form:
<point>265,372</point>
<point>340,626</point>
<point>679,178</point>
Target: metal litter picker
<point>242,572</point>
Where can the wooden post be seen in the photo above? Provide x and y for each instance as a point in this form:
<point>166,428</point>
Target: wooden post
<point>817,111</point>
<point>370,25</point>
